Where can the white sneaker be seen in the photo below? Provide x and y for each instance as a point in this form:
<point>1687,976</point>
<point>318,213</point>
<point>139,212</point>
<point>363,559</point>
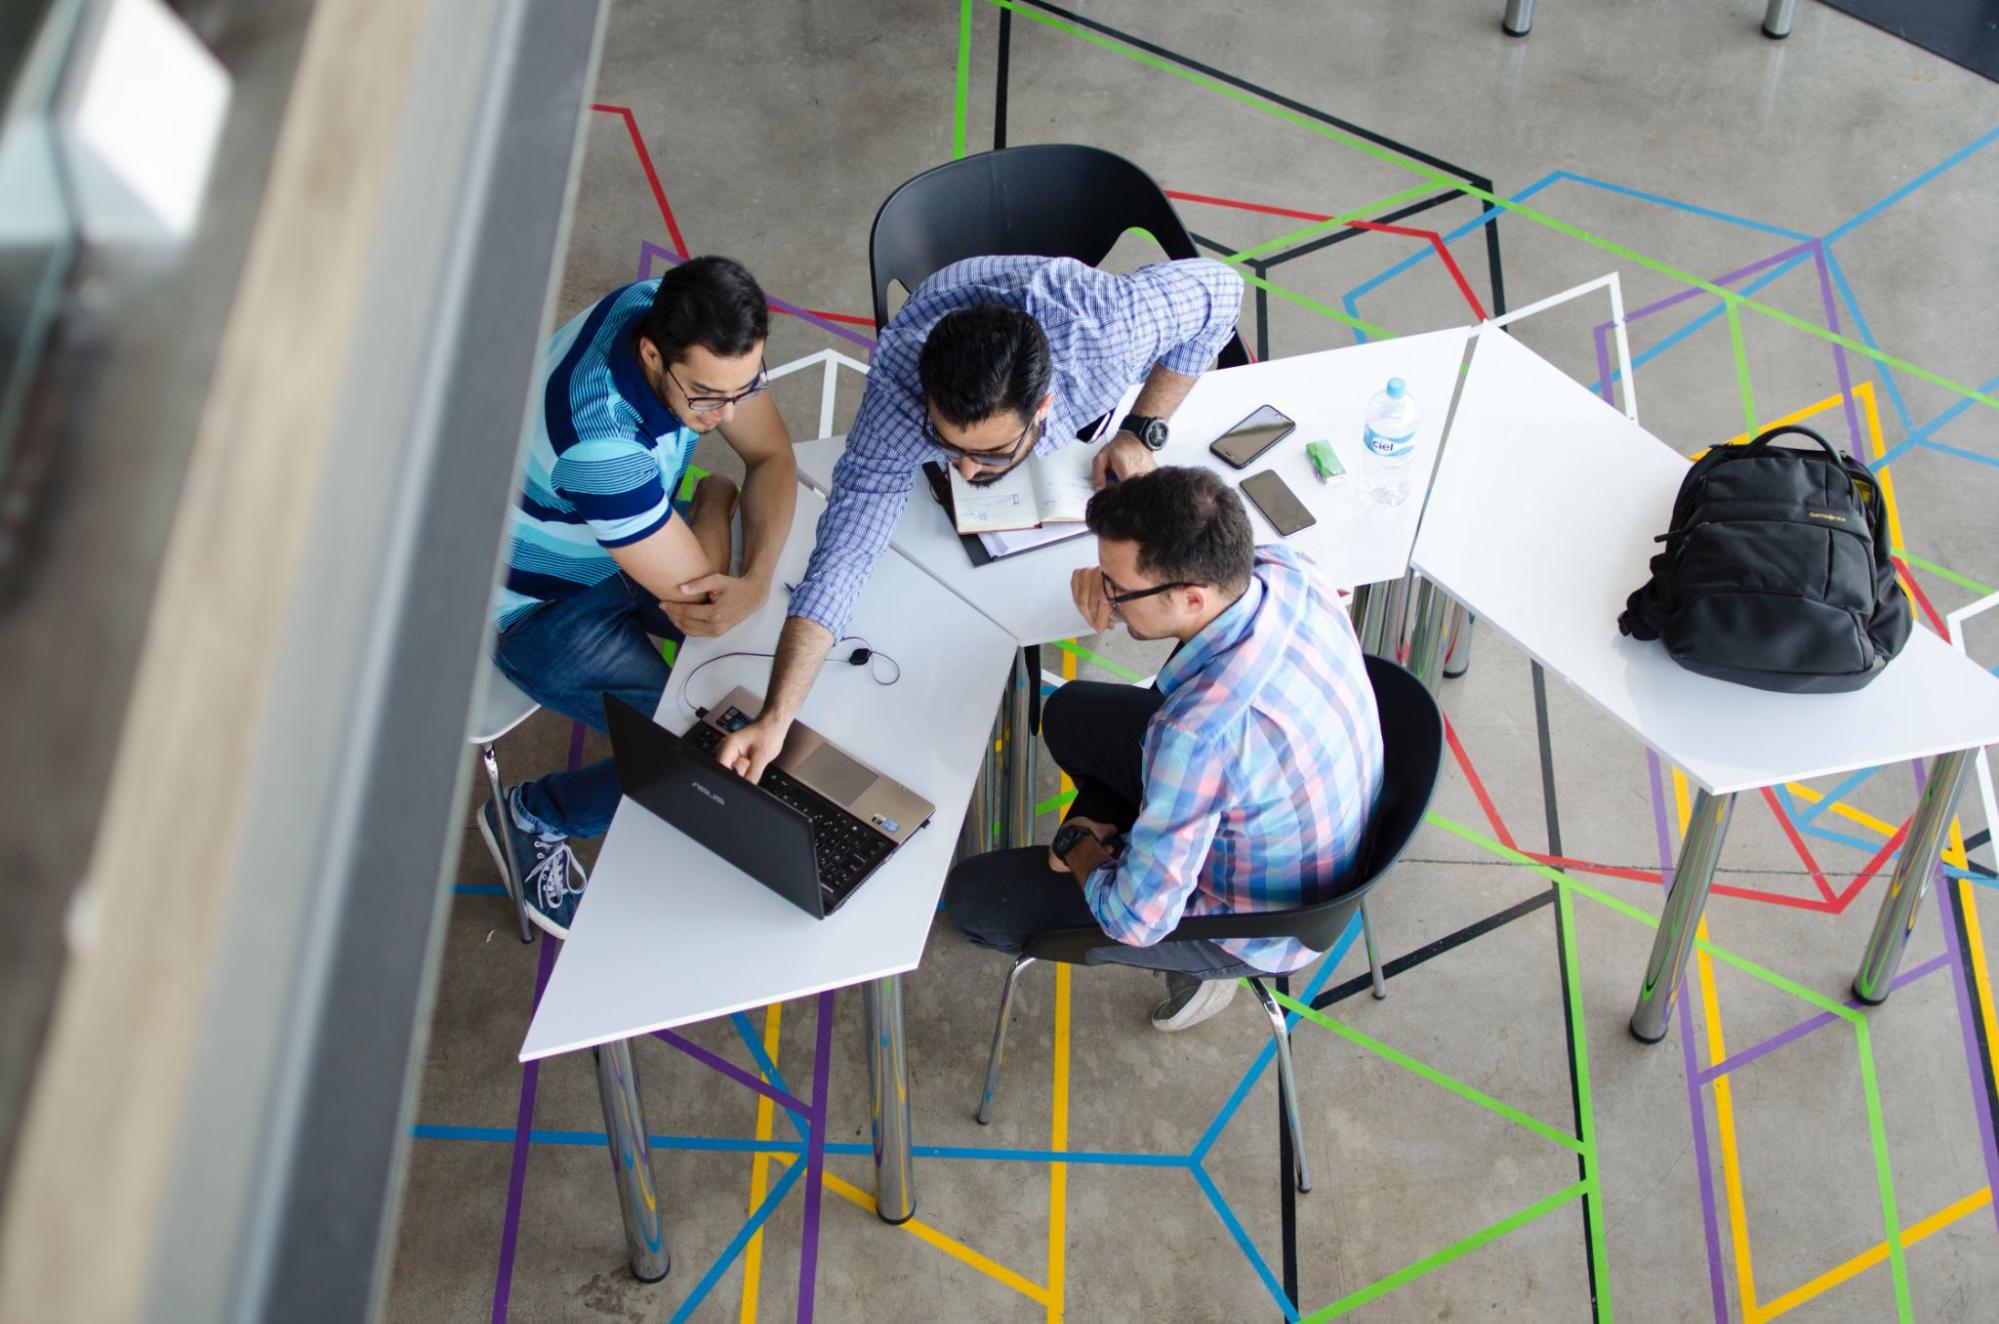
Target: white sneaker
<point>1189,1001</point>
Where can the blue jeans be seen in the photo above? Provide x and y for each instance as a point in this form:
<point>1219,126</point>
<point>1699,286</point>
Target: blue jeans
<point>566,655</point>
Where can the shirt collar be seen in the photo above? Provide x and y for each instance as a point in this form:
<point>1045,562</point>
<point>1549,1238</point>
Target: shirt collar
<point>629,376</point>
<point>1216,637</point>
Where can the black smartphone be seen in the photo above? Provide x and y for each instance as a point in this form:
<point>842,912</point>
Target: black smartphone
<point>1241,444</point>
<point>1281,506</point>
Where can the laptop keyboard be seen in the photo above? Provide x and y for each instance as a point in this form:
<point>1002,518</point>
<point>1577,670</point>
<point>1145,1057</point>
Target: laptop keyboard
<point>845,849</point>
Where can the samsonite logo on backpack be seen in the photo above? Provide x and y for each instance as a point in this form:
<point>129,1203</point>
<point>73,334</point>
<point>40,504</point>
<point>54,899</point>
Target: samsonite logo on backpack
<point>1775,572</point>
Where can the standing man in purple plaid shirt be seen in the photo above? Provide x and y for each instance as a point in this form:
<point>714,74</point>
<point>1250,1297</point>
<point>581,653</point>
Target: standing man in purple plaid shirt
<point>992,360</point>
<point>1242,783</point>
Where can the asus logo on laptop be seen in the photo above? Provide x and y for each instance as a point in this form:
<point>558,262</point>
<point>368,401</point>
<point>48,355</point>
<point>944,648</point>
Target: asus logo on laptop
<point>710,794</point>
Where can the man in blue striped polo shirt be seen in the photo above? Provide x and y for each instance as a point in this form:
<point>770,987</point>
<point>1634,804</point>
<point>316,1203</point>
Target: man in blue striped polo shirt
<point>599,560</point>
<point>992,360</point>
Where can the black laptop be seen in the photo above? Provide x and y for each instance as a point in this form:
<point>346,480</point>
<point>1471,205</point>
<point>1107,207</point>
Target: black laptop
<point>813,830</point>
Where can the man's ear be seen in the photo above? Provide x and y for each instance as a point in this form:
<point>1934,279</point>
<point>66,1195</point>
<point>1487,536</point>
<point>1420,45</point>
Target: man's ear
<point>1196,598</point>
<point>649,354</point>
<point>1047,403</point>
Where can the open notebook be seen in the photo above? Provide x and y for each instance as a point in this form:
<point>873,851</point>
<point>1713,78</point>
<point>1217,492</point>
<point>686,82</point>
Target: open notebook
<point>1053,491</point>
<point>1048,489</point>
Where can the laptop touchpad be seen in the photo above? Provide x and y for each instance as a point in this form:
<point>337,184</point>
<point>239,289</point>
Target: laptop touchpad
<point>834,775</point>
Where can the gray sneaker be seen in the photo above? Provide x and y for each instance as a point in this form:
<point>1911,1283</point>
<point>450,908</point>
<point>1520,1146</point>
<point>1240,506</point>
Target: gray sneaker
<point>1189,1001</point>
<point>551,878</point>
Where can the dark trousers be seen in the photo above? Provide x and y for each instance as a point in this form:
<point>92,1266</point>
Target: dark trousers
<point>1001,899</point>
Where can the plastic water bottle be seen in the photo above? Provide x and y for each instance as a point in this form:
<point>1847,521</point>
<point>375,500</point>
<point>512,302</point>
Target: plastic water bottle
<point>1390,443</point>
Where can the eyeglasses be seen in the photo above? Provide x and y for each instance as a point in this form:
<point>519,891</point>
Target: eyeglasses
<point>1003,459</point>
<point>1115,599</point>
<point>710,404</point>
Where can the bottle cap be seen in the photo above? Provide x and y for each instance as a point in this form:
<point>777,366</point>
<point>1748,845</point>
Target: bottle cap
<point>1396,388</point>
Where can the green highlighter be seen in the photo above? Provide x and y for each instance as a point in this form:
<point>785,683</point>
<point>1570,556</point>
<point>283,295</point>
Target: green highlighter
<point>1324,463</point>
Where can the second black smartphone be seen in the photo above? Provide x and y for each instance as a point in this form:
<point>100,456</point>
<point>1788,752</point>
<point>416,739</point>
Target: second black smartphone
<point>1241,444</point>
<point>1278,503</point>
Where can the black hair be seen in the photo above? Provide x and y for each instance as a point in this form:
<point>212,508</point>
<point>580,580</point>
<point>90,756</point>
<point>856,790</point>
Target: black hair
<point>712,302</point>
<point>982,360</point>
<point>1189,525</point>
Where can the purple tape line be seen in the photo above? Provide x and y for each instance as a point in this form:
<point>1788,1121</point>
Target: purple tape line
<point>1805,1027</point>
<point>1838,350</point>
<point>1710,1216</point>
<point>815,1162</point>
<point>648,251</point>
<point>732,1071</point>
<point>503,1277</point>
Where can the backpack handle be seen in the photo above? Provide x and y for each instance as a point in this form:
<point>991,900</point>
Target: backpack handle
<point>1765,438</point>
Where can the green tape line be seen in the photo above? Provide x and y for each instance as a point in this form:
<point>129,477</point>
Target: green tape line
<point>1383,1286</point>
<point>1962,581</point>
<point>1742,368</point>
<point>1599,1253</point>
<point>1323,310</point>
<point>964,81</point>
<point>1884,1177</point>
<point>1317,228</point>
<point>1491,199</point>
<point>1082,654</point>
<point>1629,911</point>
<point>669,650</point>
<point>1431,1074</point>
<point>1054,802</point>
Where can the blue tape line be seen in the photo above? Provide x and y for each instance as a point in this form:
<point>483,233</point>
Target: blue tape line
<point>1719,310</point>
<point>1952,871</point>
<point>769,1068</point>
<point>1959,452</point>
<point>1839,792</point>
<point>1269,1050</point>
<point>747,1145</point>
<point>740,1240</point>
<point>1867,214</point>
<point>1841,838</point>
<point>1242,1240</point>
<point>1866,334</point>
<point>1690,208</point>
<point>479,889</point>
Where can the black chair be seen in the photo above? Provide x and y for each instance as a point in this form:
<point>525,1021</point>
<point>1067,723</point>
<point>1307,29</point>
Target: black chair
<point>1412,737</point>
<point>1052,199</point>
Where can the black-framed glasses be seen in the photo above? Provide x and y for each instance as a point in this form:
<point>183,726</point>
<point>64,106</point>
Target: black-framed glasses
<point>1003,459</point>
<point>709,404</point>
<point>1115,599</point>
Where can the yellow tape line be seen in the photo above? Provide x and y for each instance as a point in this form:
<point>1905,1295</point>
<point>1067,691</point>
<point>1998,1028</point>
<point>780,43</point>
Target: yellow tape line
<point>1867,1259</point>
<point>753,1254</point>
<point>957,1250</point>
<point>1058,1140</point>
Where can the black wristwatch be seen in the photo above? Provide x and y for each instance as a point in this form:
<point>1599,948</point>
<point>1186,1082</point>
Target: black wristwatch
<point>1066,839</point>
<point>1151,431</point>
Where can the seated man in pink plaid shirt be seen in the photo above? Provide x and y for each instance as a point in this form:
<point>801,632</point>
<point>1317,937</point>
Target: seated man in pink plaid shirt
<point>1240,783</point>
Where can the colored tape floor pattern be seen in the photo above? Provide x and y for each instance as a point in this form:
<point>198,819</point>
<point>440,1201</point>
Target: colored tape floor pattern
<point>1964,959</point>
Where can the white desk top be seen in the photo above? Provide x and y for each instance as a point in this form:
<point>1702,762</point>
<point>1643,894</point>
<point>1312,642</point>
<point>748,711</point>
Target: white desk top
<point>1326,393</point>
<point>668,933</point>
<point>1541,521</point>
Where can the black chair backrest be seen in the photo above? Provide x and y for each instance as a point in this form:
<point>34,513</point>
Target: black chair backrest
<point>1051,199</point>
<point>1412,743</point>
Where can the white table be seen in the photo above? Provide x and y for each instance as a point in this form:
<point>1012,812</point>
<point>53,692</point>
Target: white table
<point>1541,519</point>
<point>1325,393</point>
<point>670,934</point>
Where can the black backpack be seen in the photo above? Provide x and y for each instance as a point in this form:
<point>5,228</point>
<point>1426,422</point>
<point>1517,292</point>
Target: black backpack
<point>1776,571</point>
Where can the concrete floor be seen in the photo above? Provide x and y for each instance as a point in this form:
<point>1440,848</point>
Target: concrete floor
<point>1657,132</point>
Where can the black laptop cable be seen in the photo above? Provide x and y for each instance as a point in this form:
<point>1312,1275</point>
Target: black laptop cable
<point>882,669</point>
